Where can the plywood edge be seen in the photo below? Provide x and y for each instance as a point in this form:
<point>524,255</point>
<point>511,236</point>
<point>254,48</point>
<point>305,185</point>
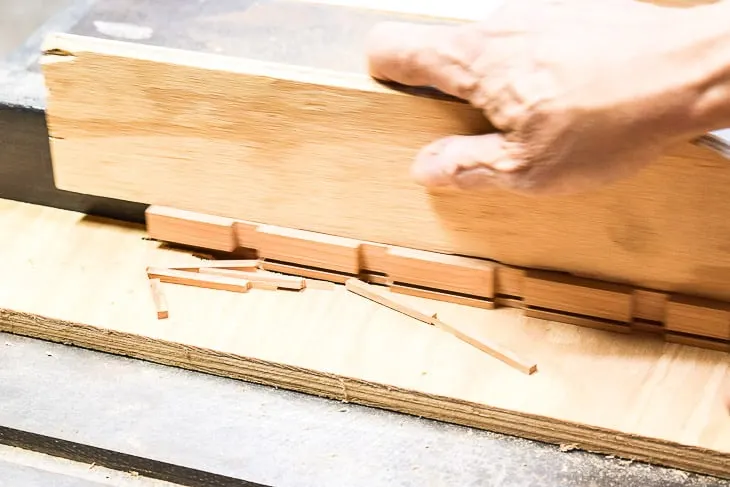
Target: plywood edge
<point>358,391</point>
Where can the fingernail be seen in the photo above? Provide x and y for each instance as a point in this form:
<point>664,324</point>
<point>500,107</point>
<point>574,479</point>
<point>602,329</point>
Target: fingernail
<point>431,167</point>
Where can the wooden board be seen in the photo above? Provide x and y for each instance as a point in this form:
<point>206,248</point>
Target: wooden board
<point>79,280</point>
<point>330,152</point>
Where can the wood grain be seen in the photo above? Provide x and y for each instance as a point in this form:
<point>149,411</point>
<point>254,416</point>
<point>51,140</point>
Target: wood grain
<point>279,136</point>
<point>82,281</point>
<point>569,294</point>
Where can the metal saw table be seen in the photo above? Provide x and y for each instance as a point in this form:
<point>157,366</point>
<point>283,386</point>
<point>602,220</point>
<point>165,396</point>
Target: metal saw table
<point>80,418</point>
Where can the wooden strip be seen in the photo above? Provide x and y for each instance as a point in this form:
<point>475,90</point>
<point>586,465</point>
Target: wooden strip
<point>496,351</point>
<point>441,271</point>
<point>699,342</point>
<point>189,228</point>
<point>649,305</point>
<point>698,317</point>
<point>551,315</point>
<point>645,326</point>
<point>374,293</point>
<point>509,302</point>
<point>158,297</point>
<point>240,265</point>
<point>198,280</point>
<point>569,294</point>
<point>309,249</point>
<point>442,296</point>
<point>320,274</point>
<point>381,279</point>
<point>285,282</point>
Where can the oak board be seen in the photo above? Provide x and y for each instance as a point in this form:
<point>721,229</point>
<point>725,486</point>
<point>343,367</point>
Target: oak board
<point>80,280</point>
<point>330,152</point>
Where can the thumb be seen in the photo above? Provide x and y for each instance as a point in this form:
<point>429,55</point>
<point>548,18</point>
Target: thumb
<point>424,55</point>
<point>468,162</point>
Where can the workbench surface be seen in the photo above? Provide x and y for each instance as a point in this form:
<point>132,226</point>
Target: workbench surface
<point>162,414</point>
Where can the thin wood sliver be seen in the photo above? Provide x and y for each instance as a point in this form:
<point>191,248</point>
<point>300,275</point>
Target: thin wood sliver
<point>158,297</point>
<point>375,294</point>
<point>496,351</point>
<point>196,279</point>
<point>287,282</point>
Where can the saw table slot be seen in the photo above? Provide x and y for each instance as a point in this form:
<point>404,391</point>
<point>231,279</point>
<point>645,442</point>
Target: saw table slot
<point>308,249</point>
<point>445,272</point>
<point>579,296</point>
<point>189,228</point>
<point>697,316</point>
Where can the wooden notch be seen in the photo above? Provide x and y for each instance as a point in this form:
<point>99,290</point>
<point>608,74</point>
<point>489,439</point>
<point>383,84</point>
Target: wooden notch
<point>440,271</point>
<point>188,228</point>
<point>576,295</point>
<point>309,249</point>
<point>649,305</point>
<point>196,279</point>
<point>578,320</point>
<point>696,316</point>
<point>278,281</point>
<point>158,297</point>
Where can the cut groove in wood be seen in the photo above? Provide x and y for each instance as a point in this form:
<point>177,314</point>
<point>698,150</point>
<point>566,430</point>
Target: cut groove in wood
<point>284,282</point>
<point>304,271</point>
<point>189,228</point>
<point>698,316</point>
<point>308,248</point>
<point>575,295</point>
<point>698,341</point>
<point>196,279</point>
<point>509,281</point>
<point>448,272</point>
<point>578,320</point>
<point>442,296</point>
<point>158,298</point>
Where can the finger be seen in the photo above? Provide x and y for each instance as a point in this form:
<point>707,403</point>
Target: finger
<point>420,55</point>
<point>467,162</point>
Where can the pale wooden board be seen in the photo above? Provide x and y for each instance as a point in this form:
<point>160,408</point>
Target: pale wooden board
<point>79,280</point>
<point>330,152</point>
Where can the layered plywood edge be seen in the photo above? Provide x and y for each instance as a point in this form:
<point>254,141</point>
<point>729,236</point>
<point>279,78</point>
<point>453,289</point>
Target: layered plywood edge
<point>463,280</point>
<point>80,280</point>
<point>329,152</point>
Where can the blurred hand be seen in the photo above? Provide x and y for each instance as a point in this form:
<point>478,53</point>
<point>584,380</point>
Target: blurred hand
<point>583,92</point>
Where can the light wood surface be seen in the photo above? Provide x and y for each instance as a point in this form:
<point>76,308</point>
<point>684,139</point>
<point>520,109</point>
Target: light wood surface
<point>79,280</point>
<point>330,152</point>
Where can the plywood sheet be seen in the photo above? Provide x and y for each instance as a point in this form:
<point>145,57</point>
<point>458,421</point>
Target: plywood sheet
<point>330,152</point>
<point>78,280</point>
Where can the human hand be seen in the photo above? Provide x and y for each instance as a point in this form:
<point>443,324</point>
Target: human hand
<point>582,92</point>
